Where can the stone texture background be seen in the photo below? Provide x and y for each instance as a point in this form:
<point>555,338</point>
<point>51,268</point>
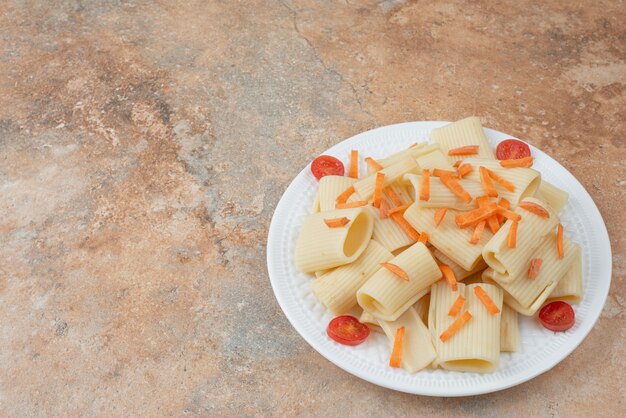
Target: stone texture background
<point>144,146</point>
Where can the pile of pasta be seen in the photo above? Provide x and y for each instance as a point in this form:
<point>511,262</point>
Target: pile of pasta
<point>441,246</point>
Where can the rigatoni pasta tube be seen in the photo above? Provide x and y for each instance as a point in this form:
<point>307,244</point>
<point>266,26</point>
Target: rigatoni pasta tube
<point>468,131</point>
<point>421,307</point>
<point>459,272</point>
<point>448,237</point>
<point>387,232</point>
<point>476,346</point>
<point>570,287</point>
<point>552,195</point>
<point>337,289</point>
<point>320,247</point>
<point>330,187</point>
<point>387,296</point>
<point>414,152</point>
<point>525,180</point>
<point>365,187</point>
<point>371,321</point>
<point>509,329</point>
<point>525,295</point>
<point>441,196</point>
<point>510,263</point>
<point>418,351</point>
<point>433,160</point>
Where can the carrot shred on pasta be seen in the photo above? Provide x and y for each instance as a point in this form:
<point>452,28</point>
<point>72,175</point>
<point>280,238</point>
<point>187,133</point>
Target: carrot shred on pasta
<point>534,267</point>
<point>343,197</point>
<point>486,300</point>
<point>336,222</point>
<point>509,214</point>
<point>439,215</point>
<point>493,223</point>
<point>396,270</point>
<point>437,172</point>
<point>457,306</point>
<point>408,229</point>
<point>506,205</point>
<point>535,208</point>
<point>520,162</point>
<point>503,182</point>
<point>373,164</point>
<point>393,196</point>
<point>478,232</point>
<point>474,216</point>
<point>464,170</point>
<point>398,348</point>
<point>350,205</point>
<point>455,326</point>
<point>423,238</point>
<point>485,181</point>
<point>457,164</point>
<point>512,237</point>
<point>378,189</point>
<point>354,164</point>
<point>425,186</point>
<point>400,209</point>
<point>383,209</point>
<point>456,188</point>
<point>559,241</point>
<point>448,274</point>
<point>466,150</point>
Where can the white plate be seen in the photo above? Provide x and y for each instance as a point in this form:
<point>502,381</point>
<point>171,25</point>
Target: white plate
<point>540,349</point>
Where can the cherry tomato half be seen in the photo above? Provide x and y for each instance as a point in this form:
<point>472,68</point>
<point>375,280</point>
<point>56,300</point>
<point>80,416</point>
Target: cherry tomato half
<point>325,165</point>
<point>347,330</point>
<point>557,316</point>
<point>512,149</point>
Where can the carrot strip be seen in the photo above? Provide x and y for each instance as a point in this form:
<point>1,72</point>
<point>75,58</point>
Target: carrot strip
<point>437,172</point>
<point>535,208</point>
<point>512,238</point>
<point>506,205</point>
<point>533,269</point>
<point>456,188</point>
<point>520,162</point>
<point>350,205</point>
<point>423,238</point>
<point>464,170</point>
<point>559,241</point>
<point>425,186</point>
<point>472,217</point>
<point>383,209</point>
<point>393,196</point>
<point>457,164</point>
<point>486,300</point>
<point>485,180</point>
<point>396,270</point>
<point>448,274</point>
<point>400,209</point>
<point>336,222</point>
<point>413,145</point>
<point>493,223</point>
<point>482,201</point>
<point>398,348</point>
<point>354,164</point>
<point>410,231</point>
<point>373,164</point>
<point>457,306</point>
<point>504,183</point>
<point>466,150</point>
<point>509,214</point>
<point>439,215</point>
<point>343,197</point>
<point>478,232</point>
<point>455,326</point>
<point>378,189</point>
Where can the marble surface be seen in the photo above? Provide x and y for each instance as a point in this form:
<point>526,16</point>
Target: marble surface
<point>144,146</point>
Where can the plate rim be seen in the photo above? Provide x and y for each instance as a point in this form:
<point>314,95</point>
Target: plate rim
<point>435,391</point>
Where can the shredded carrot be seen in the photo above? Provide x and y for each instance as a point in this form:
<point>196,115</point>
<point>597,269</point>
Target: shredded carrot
<point>336,222</point>
<point>437,172</point>
<point>354,164</point>
<point>509,214</point>
<point>439,215</point>
<point>504,183</point>
<point>448,274</point>
<point>408,229</point>
<point>559,241</point>
<point>485,180</point>
<point>350,205</point>
<point>425,186</point>
<point>472,217</point>
<point>493,223</point>
<point>400,209</point>
<point>373,164</point>
<point>455,326</point>
<point>533,269</point>
<point>343,197</point>
<point>512,238</point>
<point>506,205</point>
<point>486,300</point>
<point>396,270</point>
<point>457,164</point>
<point>393,196</point>
<point>466,150</point>
<point>423,238</point>
<point>535,208</point>
<point>413,145</point>
<point>457,306</point>
<point>520,162</point>
<point>482,201</point>
<point>456,188</point>
<point>478,232</point>
<point>464,170</point>
<point>378,189</point>
<point>383,209</point>
<point>398,348</point>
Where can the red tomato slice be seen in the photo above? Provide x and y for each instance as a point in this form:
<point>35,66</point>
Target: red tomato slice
<point>325,165</point>
<point>347,330</point>
<point>512,149</point>
<point>557,316</point>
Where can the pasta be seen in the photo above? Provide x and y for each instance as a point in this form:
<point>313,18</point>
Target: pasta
<point>510,263</point>
<point>413,152</point>
<point>387,296</point>
<point>442,197</point>
<point>552,195</point>
<point>570,287</point>
<point>388,233</point>
<point>319,247</point>
<point>476,346</point>
<point>337,289</point>
<point>331,187</point>
<point>435,159</point>
<point>509,329</point>
<point>365,186</point>
<point>371,321</point>
<point>468,131</point>
<point>421,307</point>
<point>459,272</point>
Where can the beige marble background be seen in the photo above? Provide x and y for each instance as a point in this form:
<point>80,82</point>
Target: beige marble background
<point>144,146</point>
